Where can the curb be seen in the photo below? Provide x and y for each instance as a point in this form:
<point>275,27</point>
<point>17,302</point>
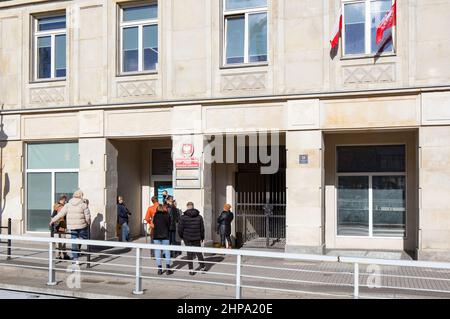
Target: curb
<point>59,292</point>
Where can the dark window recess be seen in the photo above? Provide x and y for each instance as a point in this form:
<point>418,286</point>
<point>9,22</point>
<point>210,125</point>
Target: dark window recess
<point>162,163</point>
<point>361,159</point>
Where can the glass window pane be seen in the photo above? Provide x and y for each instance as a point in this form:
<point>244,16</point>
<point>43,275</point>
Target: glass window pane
<point>52,156</point>
<point>60,56</point>
<point>140,13</point>
<point>362,159</point>
<point>355,28</point>
<point>52,23</point>
<point>379,9</point>
<point>257,25</point>
<point>353,206</point>
<point>65,184</point>
<point>39,201</point>
<point>44,58</point>
<point>389,206</point>
<point>150,47</point>
<point>130,49</point>
<point>244,4</point>
<point>235,39</point>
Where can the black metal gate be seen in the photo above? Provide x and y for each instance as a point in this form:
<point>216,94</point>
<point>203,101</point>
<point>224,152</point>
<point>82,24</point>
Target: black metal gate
<point>261,209</point>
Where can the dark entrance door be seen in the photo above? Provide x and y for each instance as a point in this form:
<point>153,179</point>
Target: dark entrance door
<point>261,209</point>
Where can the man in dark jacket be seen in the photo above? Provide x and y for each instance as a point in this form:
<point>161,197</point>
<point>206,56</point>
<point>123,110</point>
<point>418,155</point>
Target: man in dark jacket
<point>174,218</point>
<point>122,218</point>
<point>192,231</point>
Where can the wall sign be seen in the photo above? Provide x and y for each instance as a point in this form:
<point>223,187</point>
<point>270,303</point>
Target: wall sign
<point>188,161</point>
<point>303,159</point>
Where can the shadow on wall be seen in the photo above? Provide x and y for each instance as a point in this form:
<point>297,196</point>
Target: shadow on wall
<point>97,230</point>
<point>3,188</point>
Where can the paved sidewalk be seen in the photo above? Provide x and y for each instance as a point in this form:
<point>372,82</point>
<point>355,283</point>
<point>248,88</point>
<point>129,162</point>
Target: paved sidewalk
<point>295,279</point>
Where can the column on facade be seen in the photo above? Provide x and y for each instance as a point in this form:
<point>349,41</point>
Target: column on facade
<point>98,180</point>
<point>434,185</point>
<point>304,180</point>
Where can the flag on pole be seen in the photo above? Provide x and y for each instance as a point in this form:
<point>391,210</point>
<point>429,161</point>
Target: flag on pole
<point>334,39</point>
<point>389,20</point>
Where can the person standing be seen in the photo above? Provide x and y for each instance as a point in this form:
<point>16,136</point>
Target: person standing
<point>174,218</point>
<point>192,231</point>
<point>59,227</point>
<point>122,218</point>
<point>78,218</point>
<point>165,196</point>
<point>224,226</point>
<point>151,211</point>
<point>161,224</point>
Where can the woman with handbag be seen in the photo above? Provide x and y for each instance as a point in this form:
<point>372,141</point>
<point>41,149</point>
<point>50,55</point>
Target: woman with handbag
<point>59,227</point>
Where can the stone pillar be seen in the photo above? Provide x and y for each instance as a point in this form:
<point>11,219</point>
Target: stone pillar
<point>98,181</point>
<point>434,188</point>
<point>198,192</point>
<point>11,186</point>
<point>304,213</point>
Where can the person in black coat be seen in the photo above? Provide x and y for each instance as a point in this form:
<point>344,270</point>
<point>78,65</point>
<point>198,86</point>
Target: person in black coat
<point>192,231</point>
<point>122,218</point>
<point>224,226</point>
<point>174,218</point>
<point>161,223</point>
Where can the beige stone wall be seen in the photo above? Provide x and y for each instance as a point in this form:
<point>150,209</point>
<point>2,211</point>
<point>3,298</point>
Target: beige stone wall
<point>304,217</point>
<point>190,63</point>
<point>434,224</point>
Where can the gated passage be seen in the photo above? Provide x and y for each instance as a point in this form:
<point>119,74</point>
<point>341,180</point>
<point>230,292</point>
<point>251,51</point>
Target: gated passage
<point>261,209</point>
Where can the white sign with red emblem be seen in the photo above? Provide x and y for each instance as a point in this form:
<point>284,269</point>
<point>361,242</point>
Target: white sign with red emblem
<point>188,161</point>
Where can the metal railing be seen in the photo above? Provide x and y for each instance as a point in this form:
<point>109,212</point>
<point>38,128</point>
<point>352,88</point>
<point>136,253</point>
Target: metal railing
<point>257,271</point>
<point>8,242</point>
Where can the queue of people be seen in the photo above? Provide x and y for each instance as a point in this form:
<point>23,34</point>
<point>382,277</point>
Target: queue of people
<point>167,225</point>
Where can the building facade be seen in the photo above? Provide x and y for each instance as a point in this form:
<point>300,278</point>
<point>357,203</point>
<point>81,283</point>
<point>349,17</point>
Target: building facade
<point>127,97</point>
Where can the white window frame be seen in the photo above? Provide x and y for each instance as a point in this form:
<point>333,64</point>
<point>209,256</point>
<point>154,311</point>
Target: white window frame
<point>243,12</point>
<point>367,32</point>
<point>140,24</point>
<point>52,34</point>
<point>53,188</point>
<point>370,175</point>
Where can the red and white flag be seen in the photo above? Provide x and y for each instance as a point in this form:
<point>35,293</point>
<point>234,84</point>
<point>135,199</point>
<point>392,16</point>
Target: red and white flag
<point>334,39</point>
<point>389,20</point>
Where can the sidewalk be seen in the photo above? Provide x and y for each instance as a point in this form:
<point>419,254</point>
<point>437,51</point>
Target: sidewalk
<point>320,280</point>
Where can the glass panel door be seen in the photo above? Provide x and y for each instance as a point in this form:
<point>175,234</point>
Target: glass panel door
<point>389,206</point>
<point>353,206</point>
<point>65,183</point>
<point>39,201</point>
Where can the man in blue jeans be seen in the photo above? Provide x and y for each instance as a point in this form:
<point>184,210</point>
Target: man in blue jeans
<point>78,219</point>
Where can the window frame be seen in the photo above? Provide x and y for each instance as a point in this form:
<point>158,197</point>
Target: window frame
<point>140,24</point>
<point>367,32</point>
<point>52,172</point>
<point>52,34</point>
<point>370,176</point>
<point>243,12</point>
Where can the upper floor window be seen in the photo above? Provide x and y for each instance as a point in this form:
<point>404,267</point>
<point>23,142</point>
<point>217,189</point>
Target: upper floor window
<point>139,38</point>
<point>50,47</point>
<point>245,31</point>
<point>361,19</point>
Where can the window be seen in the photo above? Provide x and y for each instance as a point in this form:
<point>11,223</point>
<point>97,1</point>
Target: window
<point>50,47</point>
<point>371,195</point>
<point>361,19</point>
<point>245,31</point>
<point>139,38</point>
<point>51,170</point>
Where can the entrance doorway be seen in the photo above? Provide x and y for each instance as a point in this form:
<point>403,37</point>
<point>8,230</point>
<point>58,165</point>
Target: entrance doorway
<point>261,206</point>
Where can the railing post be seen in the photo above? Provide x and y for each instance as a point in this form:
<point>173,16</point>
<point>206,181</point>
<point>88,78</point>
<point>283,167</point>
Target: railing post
<point>51,268</point>
<point>138,289</point>
<point>356,281</point>
<point>238,277</point>
<point>9,242</point>
<point>88,249</point>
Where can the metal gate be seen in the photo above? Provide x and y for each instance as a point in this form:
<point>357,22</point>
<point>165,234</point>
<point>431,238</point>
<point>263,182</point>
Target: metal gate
<point>261,209</point>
